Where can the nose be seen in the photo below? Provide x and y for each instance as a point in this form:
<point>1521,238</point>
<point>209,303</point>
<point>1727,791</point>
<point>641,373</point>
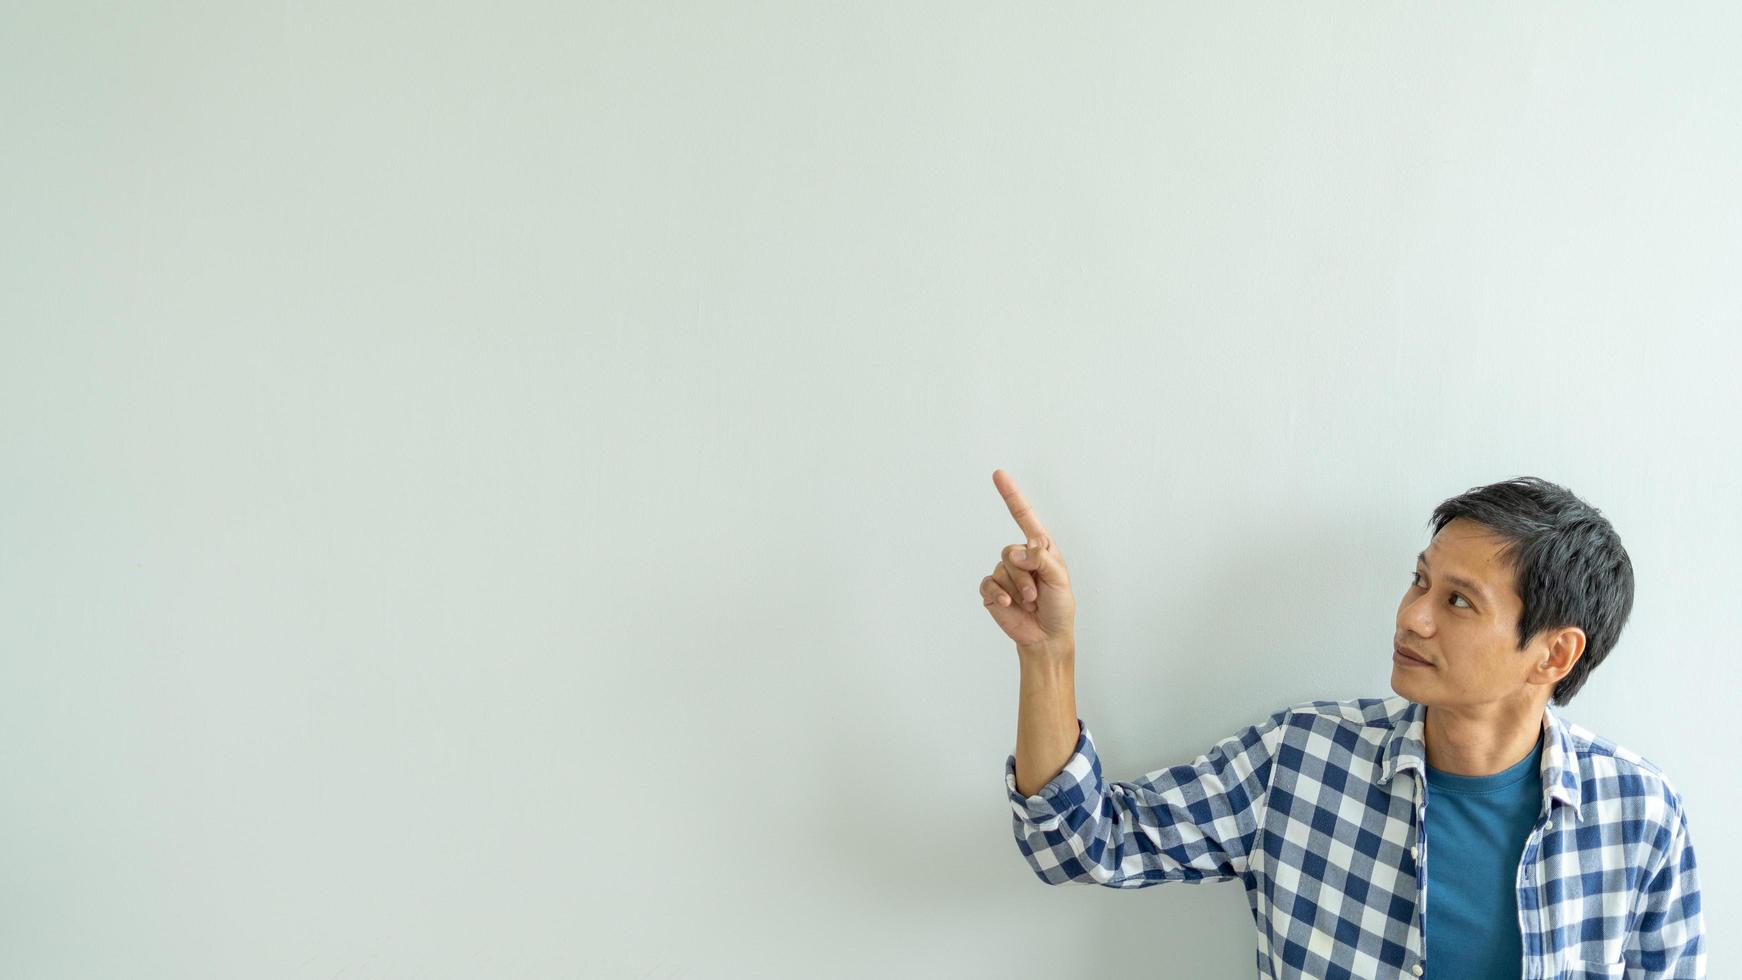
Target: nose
<point>1411,617</point>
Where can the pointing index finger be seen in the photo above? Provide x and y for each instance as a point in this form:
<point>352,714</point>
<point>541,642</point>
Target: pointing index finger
<point>1019,508</point>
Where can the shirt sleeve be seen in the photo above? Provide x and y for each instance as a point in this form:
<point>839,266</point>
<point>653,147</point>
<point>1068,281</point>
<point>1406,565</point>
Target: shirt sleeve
<point>1668,937</point>
<point>1190,822</point>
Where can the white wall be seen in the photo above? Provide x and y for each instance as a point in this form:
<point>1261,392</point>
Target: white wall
<point>501,491</point>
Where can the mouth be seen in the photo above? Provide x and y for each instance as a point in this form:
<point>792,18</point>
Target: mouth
<point>1404,658</point>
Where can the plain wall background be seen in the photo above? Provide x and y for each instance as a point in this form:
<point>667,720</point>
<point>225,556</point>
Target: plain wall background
<point>501,491</point>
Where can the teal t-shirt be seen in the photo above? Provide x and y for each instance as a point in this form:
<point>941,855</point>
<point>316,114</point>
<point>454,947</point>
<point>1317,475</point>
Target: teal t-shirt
<point>1476,829</point>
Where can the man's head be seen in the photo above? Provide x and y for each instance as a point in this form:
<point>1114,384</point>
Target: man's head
<point>1521,593</point>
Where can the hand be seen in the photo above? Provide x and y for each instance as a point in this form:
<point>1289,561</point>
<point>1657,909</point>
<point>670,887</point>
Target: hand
<point>1030,596</point>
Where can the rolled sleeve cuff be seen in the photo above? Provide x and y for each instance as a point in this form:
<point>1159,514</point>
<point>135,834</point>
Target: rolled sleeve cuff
<point>1079,780</point>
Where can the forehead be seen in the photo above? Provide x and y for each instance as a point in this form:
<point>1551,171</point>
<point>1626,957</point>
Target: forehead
<point>1467,554</point>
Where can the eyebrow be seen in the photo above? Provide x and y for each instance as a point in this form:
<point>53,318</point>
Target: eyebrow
<point>1459,581</point>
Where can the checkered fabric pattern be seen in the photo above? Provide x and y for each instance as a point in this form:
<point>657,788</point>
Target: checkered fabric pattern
<point>1318,811</point>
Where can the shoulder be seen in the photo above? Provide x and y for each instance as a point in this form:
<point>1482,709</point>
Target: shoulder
<point>1380,712</point>
<point>1368,717</point>
<point>1617,779</point>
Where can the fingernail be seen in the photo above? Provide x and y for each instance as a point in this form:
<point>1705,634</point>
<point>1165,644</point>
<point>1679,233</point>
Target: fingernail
<point>1020,554</point>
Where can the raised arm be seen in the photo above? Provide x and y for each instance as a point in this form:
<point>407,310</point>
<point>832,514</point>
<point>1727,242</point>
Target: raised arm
<point>1195,821</point>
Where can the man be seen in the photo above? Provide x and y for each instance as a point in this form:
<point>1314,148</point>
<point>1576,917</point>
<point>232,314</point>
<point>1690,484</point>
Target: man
<point>1549,851</point>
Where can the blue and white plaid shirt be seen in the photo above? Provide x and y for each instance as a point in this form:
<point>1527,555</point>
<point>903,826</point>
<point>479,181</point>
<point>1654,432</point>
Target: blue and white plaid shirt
<point>1304,810</point>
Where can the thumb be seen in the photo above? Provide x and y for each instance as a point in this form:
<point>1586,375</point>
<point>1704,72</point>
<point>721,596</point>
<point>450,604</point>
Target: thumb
<point>1043,560</point>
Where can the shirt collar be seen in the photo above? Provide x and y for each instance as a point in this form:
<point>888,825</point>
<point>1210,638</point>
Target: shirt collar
<point>1406,748</point>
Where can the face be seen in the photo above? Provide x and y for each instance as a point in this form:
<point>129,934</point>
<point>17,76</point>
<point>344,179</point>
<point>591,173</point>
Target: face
<point>1460,612</point>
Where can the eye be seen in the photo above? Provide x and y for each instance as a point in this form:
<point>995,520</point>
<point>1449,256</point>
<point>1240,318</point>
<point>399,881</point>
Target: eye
<point>1456,595</point>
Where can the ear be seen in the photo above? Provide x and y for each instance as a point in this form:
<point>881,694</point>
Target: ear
<point>1565,647</point>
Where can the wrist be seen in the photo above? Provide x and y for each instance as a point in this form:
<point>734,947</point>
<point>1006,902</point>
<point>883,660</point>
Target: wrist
<point>1058,652</point>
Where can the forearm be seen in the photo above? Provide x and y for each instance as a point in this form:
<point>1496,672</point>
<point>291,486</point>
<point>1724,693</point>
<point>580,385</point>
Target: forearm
<point>1046,722</point>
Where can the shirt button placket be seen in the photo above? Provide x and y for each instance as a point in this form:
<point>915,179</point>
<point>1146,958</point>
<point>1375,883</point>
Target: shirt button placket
<point>1416,969</point>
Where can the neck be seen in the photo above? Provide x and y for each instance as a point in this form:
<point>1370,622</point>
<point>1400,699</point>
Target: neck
<point>1481,739</point>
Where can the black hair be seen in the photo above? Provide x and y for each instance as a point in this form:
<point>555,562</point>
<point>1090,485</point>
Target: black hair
<point>1568,564</point>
